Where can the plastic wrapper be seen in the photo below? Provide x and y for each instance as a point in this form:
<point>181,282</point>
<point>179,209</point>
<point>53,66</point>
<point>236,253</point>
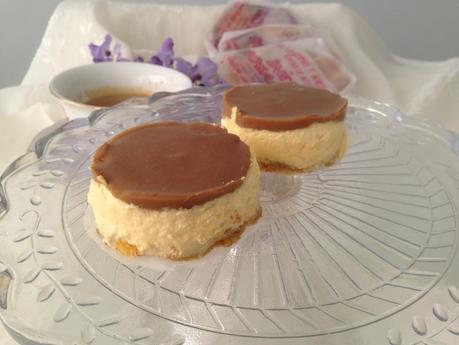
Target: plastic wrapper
<point>243,15</point>
<point>264,35</point>
<point>306,61</point>
<point>256,43</point>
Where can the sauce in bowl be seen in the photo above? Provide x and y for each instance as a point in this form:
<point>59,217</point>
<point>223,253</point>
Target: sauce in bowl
<point>84,89</point>
<point>110,96</point>
<point>113,99</point>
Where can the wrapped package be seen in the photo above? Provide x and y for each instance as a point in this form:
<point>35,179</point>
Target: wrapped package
<point>253,42</point>
<point>241,14</point>
<point>264,35</point>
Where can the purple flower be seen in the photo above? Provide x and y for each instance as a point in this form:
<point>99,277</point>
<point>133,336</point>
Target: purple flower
<point>165,55</point>
<point>102,53</point>
<point>204,72</point>
<point>184,66</point>
<point>156,60</point>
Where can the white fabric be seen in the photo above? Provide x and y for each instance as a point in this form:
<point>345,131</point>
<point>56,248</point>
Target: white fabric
<point>423,89</point>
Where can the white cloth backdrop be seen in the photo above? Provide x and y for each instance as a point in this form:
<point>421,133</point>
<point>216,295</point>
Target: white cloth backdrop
<point>418,88</point>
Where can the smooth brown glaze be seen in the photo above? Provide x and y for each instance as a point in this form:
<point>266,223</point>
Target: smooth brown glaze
<point>114,99</point>
<point>282,106</point>
<point>171,164</point>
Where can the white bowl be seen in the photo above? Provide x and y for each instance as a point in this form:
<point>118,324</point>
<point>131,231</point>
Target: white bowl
<point>74,87</point>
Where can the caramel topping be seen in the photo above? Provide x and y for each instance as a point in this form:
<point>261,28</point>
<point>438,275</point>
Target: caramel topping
<point>171,164</point>
<point>282,106</point>
<point>114,99</point>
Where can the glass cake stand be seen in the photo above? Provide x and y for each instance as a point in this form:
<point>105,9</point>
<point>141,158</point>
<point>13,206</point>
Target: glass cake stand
<point>359,253</point>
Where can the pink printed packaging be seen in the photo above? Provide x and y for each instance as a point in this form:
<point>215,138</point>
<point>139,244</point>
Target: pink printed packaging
<point>255,42</point>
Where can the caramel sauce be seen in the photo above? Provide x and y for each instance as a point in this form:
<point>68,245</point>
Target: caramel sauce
<point>282,106</point>
<point>110,100</point>
<point>171,164</point>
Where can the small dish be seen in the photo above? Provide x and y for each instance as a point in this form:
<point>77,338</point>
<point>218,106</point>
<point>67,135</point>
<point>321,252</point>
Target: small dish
<point>75,87</point>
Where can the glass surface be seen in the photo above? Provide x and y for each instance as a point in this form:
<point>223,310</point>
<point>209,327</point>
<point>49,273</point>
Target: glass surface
<point>361,252</point>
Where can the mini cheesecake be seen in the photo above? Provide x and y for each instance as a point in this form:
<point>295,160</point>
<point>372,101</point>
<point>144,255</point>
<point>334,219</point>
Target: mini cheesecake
<point>288,127</point>
<point>172,189</point>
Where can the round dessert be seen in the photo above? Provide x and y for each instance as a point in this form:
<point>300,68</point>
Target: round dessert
<point>289,127</point>
<point>172,189</point>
